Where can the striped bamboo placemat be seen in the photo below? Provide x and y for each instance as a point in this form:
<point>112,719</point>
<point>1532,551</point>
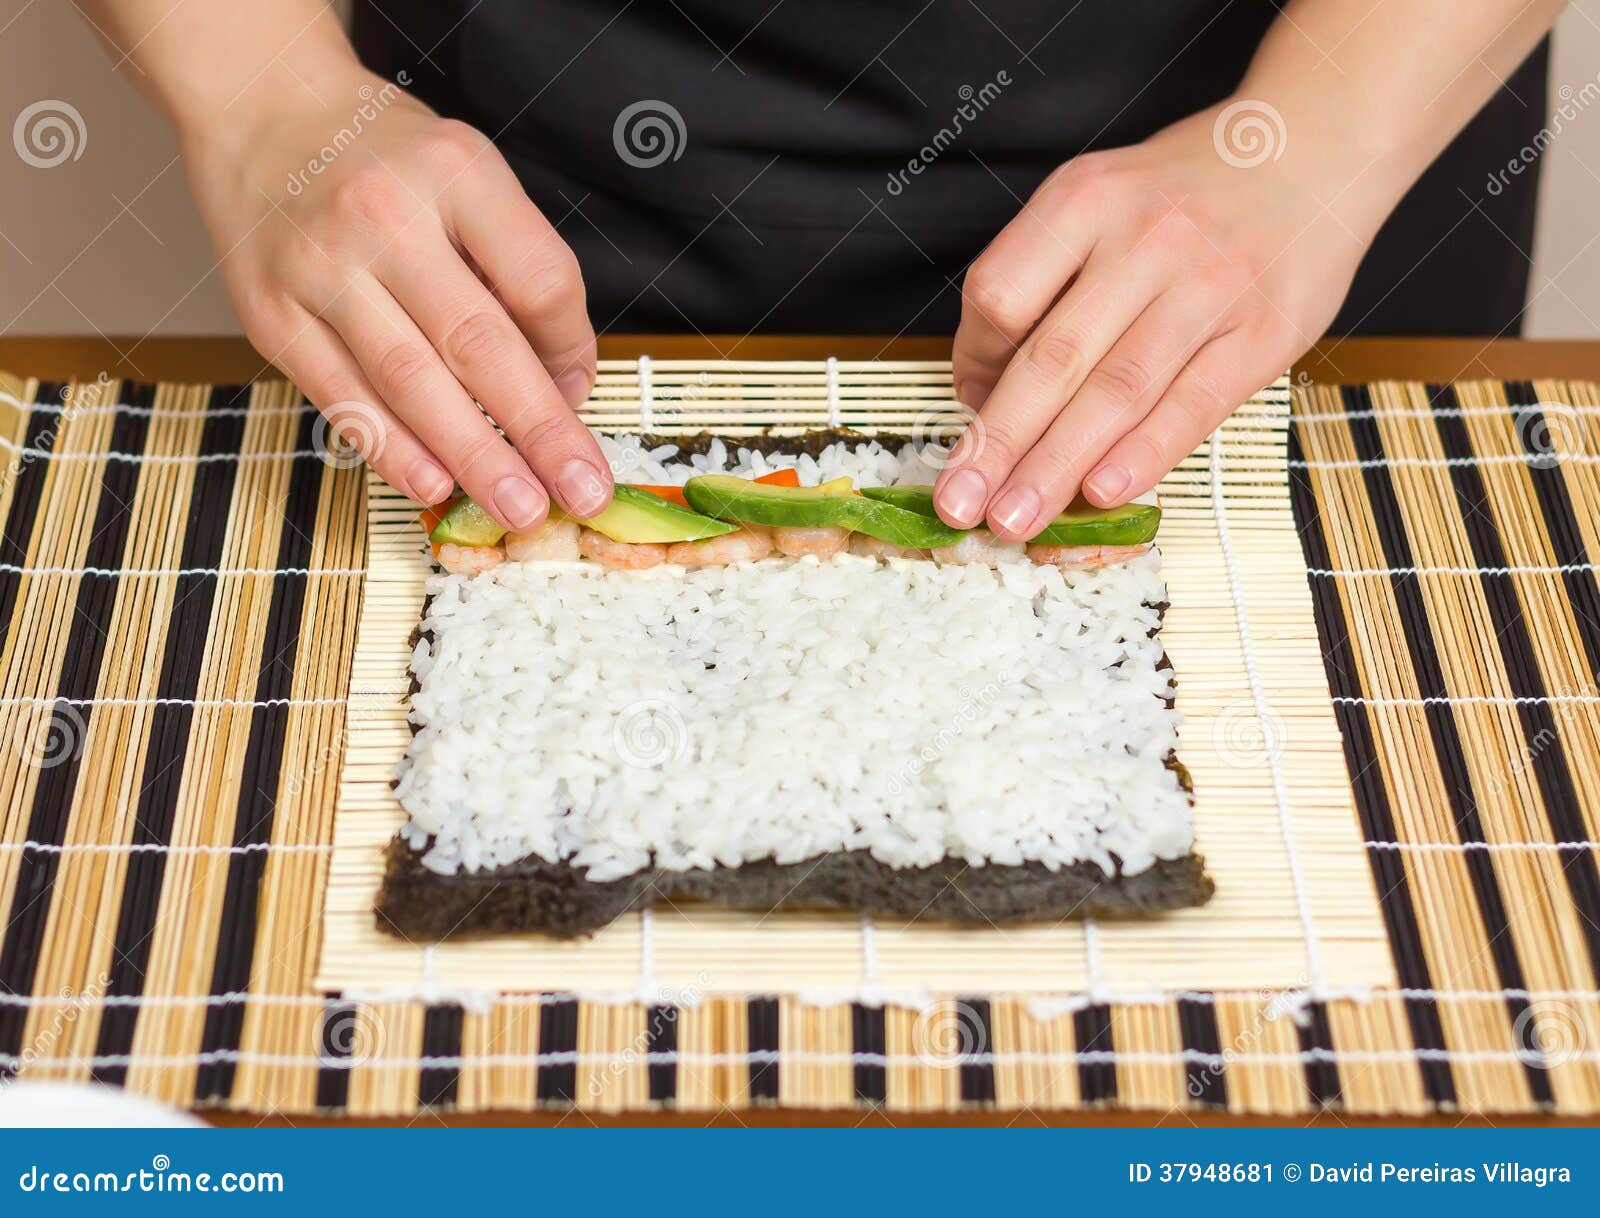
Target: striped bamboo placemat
<point>180,585</point>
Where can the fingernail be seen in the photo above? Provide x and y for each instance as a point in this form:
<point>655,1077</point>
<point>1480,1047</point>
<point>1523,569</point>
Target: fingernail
<point>974,393</point>
<point>1014,511</point>
<point>581,489</point>
<point>428,483</point>
<point>1108,482</point>
<point>962,498</point>
<point>518,501</point>
<point>574,387</point>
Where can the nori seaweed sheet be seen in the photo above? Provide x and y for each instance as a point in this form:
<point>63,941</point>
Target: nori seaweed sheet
<point>556,898</point>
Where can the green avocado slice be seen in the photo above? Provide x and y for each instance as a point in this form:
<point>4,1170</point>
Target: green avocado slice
<point>634,516</point>
<point>467,524</point>
<point>831,505</point>
<point>1080,525</point>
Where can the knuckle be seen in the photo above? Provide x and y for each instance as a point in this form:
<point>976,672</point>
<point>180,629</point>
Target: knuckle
<point>1054,356</point>
<point>403,367</point>
<point>550,288</point>
<point>534,430</point>
<point>1147,448</point>
<point>455,144</point>
<point>1123,378</point>
<point>995,300</point>
<point>369,200</point>
<point>475,451</point>
<point>479,338</point>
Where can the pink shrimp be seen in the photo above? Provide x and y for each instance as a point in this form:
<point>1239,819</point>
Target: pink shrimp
<point>470,560</point>
<point>553,541</point>
<point>743,545</point>
<point>978,546</point>
<point>823,542</point>
<point>620,555</point>
<point>1070,558</point>
<point>874,547</point>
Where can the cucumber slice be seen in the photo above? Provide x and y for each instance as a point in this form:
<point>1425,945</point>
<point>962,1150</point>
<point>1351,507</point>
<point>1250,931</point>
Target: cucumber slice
<point>1080,525</point>
<point>467,524</point>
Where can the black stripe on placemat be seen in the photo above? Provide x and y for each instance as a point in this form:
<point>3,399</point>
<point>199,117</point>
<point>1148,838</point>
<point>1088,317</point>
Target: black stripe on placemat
<point>869,1035</point>
<point>1561,523</point>
<point>761,1037</point>
<point>182,660</point>
<point>438,1085</point>
<point>77,682</point>
<point>1097,1080</point>
<point>557,1082</point>
<point>1395,899</point>
<point>336,1044</point>
<point>263,763</point>
<point>1546,756</point>
<point>1447,743</point>
<point>661,1037</point>
<point>1204,1081</point>
<point>28,489</point>
<point>975,1035</point>
<point>1322,1074</point>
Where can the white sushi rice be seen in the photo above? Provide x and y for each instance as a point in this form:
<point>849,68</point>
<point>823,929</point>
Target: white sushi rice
<point>694,718</point>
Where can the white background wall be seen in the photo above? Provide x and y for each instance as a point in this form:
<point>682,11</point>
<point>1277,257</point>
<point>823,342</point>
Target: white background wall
<point>111,243</point>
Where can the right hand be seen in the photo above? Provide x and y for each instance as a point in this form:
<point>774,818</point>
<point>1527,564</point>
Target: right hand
<point>407,277</point>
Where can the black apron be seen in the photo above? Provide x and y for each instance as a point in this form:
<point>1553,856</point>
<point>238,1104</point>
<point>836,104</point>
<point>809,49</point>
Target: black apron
<point>834,165</point>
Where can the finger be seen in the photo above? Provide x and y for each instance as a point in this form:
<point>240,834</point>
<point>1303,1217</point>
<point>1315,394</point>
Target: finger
<point>531,271</point>
<point>1011,285</point>
<point>414,383</point>
<point>1223,373</point>
<point>489,355</point>
<point>1041,378</point>
<point>1117,393</point>
<point>318,362</point>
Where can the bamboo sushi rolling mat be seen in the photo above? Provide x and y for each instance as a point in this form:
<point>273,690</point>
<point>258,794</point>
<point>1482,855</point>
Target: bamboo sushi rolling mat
<point>181,590</point>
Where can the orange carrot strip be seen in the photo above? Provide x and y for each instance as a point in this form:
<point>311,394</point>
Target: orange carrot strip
<point>673,494</point>
<point>781,477</point>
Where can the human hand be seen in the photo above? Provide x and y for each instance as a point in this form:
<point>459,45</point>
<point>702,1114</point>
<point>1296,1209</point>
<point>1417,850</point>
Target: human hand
<point>398,277</point>
<point>1140,296</point>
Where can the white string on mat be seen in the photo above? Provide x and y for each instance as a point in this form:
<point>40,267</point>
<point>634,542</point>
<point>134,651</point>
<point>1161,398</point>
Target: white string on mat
<point>30,847</point>
<point>567,1057</point>
<point>1567,568</point>
<point>1219,507</point>
<point>871,987</point>
<point>1533,458</point>
<point>1314,415</point>
<point>1466,700</point>
<point>1488,847</point>
<point>14,569</point>
<point>1093,963</point>
<point>646,404</point>
<point>834,413</point>
<point>51,700</point>
<point>46,454</point>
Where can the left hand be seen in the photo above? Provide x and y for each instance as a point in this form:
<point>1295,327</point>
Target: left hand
<point>1140,296</point>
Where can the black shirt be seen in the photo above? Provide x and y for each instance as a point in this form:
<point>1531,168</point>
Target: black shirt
<point>834,165</point>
